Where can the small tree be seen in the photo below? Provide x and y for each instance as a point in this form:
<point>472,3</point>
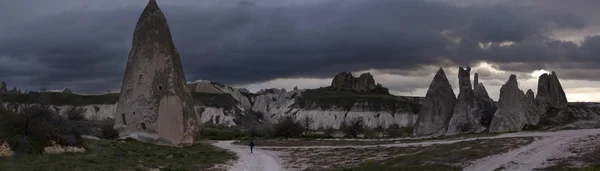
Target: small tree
<point>67,91</point>
<point>306,123</point>
<point>3,88</point>
<point>288,127</point>
<point>353,127</point>
<point>76,113</point>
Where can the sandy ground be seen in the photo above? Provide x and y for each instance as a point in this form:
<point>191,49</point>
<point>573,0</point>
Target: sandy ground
<point>535,155</point>
<point>260,160</point>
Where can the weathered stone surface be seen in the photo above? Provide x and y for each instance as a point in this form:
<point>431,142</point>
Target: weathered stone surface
<point>487,106</point>
<point>344,81</point>
<point>437,108</point>
<point>465,117</point>
<point>476,80</point>
<point>530,107</point>
<point>510,115</point>
<point>204,86</point>
<point>155,104</point>
<point>5,150</point>
<point>550,92</point>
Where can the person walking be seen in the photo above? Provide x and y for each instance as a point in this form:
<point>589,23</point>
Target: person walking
<point>251,146</point>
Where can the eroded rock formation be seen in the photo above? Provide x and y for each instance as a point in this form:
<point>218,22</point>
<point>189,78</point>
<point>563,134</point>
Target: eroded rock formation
<point>510,115</point>
<point>155,104</point>
<point>531,108</point>
<point>485,104</point>
<point>465,117</point>
<point>437,108</point>
<point>204,86</point>
<point>550,92</point>
<point>344,81</point>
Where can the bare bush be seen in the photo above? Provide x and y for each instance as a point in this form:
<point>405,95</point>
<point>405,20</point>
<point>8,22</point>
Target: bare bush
<point>75,113</point>
<point>396,131</point>
<point>35,126</point>
<point>353,127</point>
<point>306,123</point>
<point>288,127</point>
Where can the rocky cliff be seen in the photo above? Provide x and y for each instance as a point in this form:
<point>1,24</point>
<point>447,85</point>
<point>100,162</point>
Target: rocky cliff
<point>437,109</point>
<point>510,115</point>
<point>327,106</point>
<point>550,92</point>
<point>466,115</point>
<point>155,105</point>
<point>344,81</point>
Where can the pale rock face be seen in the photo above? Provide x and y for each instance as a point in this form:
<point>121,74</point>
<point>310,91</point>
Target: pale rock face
<point>214,115</point>
<point>5,150</point>
<point>465,117</point>
<point>92,111</point>
<point>487,106</point>
<point>155,104</point>
<point>215,87</point>
<point>510,115</point>
<point>58,149</point>
<point>272,101</point>
<point>437,108</point>
<point>277,103</point>
<point>344,81</point>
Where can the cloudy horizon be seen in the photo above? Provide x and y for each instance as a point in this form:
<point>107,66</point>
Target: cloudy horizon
<point>83,44</point>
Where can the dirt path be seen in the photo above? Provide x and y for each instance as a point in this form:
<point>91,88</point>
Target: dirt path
<point>536,154</point>
<point>259,160</point>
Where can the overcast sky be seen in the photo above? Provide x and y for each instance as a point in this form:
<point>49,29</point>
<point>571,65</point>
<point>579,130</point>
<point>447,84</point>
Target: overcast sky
<point>83,44</point>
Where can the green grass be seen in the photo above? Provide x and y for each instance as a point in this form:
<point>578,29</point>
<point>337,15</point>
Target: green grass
<point>123,155</point>
<point>219,133</point>
<point>325,98</point>
<point>59,99</point>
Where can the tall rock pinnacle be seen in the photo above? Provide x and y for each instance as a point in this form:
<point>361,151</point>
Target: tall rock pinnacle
<point>465,117</point>
<point>486,105</point>
<point>510,115</point>
<point>437,108</point>
<point>155,104</point>
<point>550,92</point>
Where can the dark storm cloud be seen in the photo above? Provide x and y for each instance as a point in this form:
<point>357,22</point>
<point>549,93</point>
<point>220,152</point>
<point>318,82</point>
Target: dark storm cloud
<point>87,49</point>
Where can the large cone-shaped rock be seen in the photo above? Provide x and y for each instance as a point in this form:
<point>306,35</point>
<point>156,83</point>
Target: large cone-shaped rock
<point>486,105</point>
<point>510,115</point>
<point>550,92</point>
<point>465,118</point>
<point>155,104</point>
<point>437,108</point>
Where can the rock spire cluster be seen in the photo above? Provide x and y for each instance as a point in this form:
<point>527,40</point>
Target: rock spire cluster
<point>474,111</point>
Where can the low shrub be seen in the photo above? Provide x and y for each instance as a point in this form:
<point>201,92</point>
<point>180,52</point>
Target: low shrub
<point>288,127</point>
<point>75,113</point>
<point>353,127</point>
<point>108,130</point>
<point>395,131</point>
<point>34,126</point>
<point>218,133</point>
